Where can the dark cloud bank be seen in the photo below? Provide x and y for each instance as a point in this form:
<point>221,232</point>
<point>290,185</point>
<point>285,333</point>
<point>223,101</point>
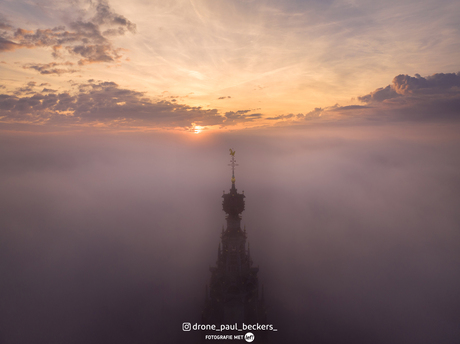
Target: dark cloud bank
<point>107,103</point>
<point>418,98</point>
<point>407,98</point>
<point>108,239</point>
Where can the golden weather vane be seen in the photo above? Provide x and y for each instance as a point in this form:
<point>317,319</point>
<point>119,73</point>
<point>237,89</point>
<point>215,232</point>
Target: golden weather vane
<point>233,164</point>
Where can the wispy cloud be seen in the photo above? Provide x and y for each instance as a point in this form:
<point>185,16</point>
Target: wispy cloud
<point>52,67</point>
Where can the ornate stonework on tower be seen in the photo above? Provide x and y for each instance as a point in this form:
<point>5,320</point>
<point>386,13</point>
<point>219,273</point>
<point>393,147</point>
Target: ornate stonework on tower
<point>233,295</point>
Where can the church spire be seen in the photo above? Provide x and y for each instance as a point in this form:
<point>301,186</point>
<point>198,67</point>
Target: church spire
<point>234,288</point>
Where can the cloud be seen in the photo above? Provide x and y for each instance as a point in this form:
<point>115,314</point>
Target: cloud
<point>281,117</point>
<point>240,116</point>
<point>404,85</point>
<point>104,15</point>
<point>4,23</point>
<point>417,98</point>
<point>314,114</point>
<point>87,39</point>
<point>379,95</point>
<point>103,102</point>
<point>51,68</point>
<point>296,119</point>
<point>46,90</point>
<point>349,107</point>
<point>434,84</point>
<point>5,26</point>
<point>106,103</point>
<point>95,53</point>
<point>26,89</point>
<point>95,102</point>
<point>223,98</point>
<point>407,98</point>
<point>6,45</point>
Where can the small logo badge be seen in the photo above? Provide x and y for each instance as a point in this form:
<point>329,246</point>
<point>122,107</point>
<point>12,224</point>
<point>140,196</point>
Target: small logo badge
<point>249,337</point>
<point>186,327</point>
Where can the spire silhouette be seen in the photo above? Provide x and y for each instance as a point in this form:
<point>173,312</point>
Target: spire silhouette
<point>234,286</point>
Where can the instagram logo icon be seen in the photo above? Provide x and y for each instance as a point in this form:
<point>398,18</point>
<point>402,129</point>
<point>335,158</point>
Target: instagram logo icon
<point>186,326</point>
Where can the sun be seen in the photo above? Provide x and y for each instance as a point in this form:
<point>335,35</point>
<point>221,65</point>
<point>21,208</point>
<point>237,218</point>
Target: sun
<point>197,129</point>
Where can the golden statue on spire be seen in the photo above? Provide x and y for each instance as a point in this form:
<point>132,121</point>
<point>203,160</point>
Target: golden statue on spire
<point>233,164</point>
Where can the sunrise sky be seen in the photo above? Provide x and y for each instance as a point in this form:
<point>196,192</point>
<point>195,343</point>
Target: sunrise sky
<point>187,64</point>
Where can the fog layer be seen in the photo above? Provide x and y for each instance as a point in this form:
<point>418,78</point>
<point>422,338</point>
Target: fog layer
<point>107,238</point>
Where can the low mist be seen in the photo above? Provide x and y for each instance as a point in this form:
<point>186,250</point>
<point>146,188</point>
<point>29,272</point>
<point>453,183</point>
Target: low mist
<point>108,238</point>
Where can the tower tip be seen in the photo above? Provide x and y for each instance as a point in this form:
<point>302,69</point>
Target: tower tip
<point>233,164</point>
